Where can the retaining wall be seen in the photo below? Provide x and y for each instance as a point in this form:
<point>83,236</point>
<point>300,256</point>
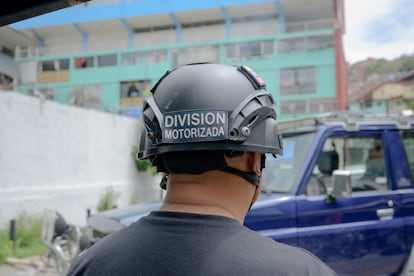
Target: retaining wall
<point>65,157</point>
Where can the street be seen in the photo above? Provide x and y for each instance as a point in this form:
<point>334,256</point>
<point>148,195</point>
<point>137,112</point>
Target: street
<point>32,266</point>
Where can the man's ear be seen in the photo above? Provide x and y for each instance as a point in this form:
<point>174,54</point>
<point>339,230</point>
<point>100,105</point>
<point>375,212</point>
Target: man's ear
<point>254,159</point>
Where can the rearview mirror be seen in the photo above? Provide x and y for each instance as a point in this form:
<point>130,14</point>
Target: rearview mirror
<point>341,183</point>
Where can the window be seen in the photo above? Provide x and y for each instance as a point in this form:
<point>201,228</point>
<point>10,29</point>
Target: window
<point>245,50</point>
<point>137,88</point>
<point>296,81</point>
<point>54,65</point>
<point>309,25</point>
<point>320,42</point>
<point>7,51</point>
<point>83,62</point>
<point>322,105</point>
<point>295,27</point>
<point>195,54</point>
<point>132,58</point>
<point>144,57</point>
<point>156,56</point>
<point>303,43</point>
<point>24,51</point>
<point>408,140</point>
<point>291,44</point>
<point>362,156</point>
<point>47,66</point>
<point>281,173</point>
<point>321,24</point>
<point>107,60</point>
<point>293,107</point>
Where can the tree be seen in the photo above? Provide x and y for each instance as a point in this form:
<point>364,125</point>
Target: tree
<point>407,64</point>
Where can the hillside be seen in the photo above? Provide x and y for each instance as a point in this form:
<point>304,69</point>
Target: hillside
<point>367,73</point>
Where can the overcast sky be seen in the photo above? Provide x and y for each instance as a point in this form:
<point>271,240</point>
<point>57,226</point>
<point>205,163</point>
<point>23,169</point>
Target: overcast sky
<point>378,28</point>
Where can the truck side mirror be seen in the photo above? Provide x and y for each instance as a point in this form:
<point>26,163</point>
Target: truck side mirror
<point>341,185</point>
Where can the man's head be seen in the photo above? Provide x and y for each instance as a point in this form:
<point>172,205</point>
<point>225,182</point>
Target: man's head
<point>208,111</point>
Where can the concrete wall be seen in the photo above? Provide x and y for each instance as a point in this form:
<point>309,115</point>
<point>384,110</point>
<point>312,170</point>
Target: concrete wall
<point>64,157</point>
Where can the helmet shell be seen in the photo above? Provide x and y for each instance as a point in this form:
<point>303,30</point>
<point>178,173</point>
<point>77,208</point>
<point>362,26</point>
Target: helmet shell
<point>209,107</point>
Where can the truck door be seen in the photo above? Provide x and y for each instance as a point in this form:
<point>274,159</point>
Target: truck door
<point>362,234</point>
<point>405,183</point>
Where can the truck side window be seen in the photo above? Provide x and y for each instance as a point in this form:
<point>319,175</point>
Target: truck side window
<point>408,140</point>
<point>362,155</point>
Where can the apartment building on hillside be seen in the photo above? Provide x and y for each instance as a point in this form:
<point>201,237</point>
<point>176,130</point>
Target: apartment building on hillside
<point>393,95</point>
<point>107,54</point>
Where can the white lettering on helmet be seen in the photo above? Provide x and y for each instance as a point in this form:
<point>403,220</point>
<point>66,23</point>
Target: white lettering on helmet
<point>202,132</point>
<point>195,126</point>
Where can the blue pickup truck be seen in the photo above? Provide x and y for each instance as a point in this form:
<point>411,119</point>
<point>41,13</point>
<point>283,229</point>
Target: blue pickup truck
<point>344,190</point>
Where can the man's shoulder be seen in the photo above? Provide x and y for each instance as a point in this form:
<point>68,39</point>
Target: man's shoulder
<point>228,247</point>
<point>267,255</point>
<point>112,249</point>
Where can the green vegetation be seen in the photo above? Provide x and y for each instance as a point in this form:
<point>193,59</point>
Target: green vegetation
<point>407,64</point>
<point>142,165</point>
<point>28,238</point>
<point>147,93</point>
<point>409,104</point>
<point>383,66</point>
<point>108,199</point>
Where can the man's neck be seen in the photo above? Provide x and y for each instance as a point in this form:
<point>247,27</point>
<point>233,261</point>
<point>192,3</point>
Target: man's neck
<point>214,192</point>
<point>198,209</point>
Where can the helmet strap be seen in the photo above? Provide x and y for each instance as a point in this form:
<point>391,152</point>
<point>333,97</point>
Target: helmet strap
<point>189,162</point>
<point>248,176</point>
<point>252,202</point>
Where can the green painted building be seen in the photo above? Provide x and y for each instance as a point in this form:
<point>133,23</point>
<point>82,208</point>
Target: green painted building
<point>106,55</point>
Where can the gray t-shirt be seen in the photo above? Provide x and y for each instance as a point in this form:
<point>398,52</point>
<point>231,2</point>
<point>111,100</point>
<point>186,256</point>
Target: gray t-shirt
<point>174,243</point>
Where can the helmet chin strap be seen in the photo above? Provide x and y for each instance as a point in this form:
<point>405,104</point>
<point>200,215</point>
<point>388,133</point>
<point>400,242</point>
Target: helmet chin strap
<point>220,164</point>
<point>252,201</point>
<point>248,176</point>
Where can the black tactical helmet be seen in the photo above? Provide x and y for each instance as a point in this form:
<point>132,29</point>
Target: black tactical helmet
<point>208,108</point>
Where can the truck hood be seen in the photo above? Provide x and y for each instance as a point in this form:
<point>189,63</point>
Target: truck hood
<point>111,221</point>
<point>108,222</point>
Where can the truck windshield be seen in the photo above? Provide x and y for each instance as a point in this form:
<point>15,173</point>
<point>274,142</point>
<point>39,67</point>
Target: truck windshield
<point>281,173</point>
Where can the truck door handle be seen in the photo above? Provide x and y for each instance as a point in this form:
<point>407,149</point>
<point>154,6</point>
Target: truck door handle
<point>386,213</point>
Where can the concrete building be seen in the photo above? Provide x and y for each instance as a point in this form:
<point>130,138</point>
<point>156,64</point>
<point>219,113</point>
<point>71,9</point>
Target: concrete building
<point>388,96</point>
<point>107,54</point>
